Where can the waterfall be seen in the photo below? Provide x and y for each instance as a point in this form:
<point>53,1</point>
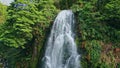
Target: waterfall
<point>61,50</point>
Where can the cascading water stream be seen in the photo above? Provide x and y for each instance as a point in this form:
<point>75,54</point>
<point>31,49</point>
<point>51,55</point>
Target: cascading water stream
<point>61,51</point>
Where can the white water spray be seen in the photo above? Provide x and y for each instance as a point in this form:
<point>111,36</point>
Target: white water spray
<point>61,50</point>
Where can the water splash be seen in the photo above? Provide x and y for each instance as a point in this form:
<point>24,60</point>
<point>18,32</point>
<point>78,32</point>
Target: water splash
<point>61,51</point>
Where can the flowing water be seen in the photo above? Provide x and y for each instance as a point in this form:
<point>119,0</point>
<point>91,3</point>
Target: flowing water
<point>61,50</point>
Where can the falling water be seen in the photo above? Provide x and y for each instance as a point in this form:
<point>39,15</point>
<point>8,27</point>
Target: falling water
<point>61,51</point>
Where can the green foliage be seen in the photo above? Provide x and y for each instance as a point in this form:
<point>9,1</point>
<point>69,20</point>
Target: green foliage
<point>47,13</point>
<point>3,13</point>
<point>111,13</point>
<point>94,48</point>
<point>93,24</point>
<point>28,23</point>
<point>104,65</point>
<point>25,29</point>
<point>88,21</point>
<point>20,23</point>
<point>67,3</point>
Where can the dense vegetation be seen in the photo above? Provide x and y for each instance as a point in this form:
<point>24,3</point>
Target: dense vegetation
<point>3,13</point>
<point>25,25</point>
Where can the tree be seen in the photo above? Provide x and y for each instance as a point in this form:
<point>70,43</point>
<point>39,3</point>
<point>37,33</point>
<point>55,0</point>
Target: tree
<point>3,13</point>
<point>16,32</point>
<point>21,18</point>
<point>25,30</point>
